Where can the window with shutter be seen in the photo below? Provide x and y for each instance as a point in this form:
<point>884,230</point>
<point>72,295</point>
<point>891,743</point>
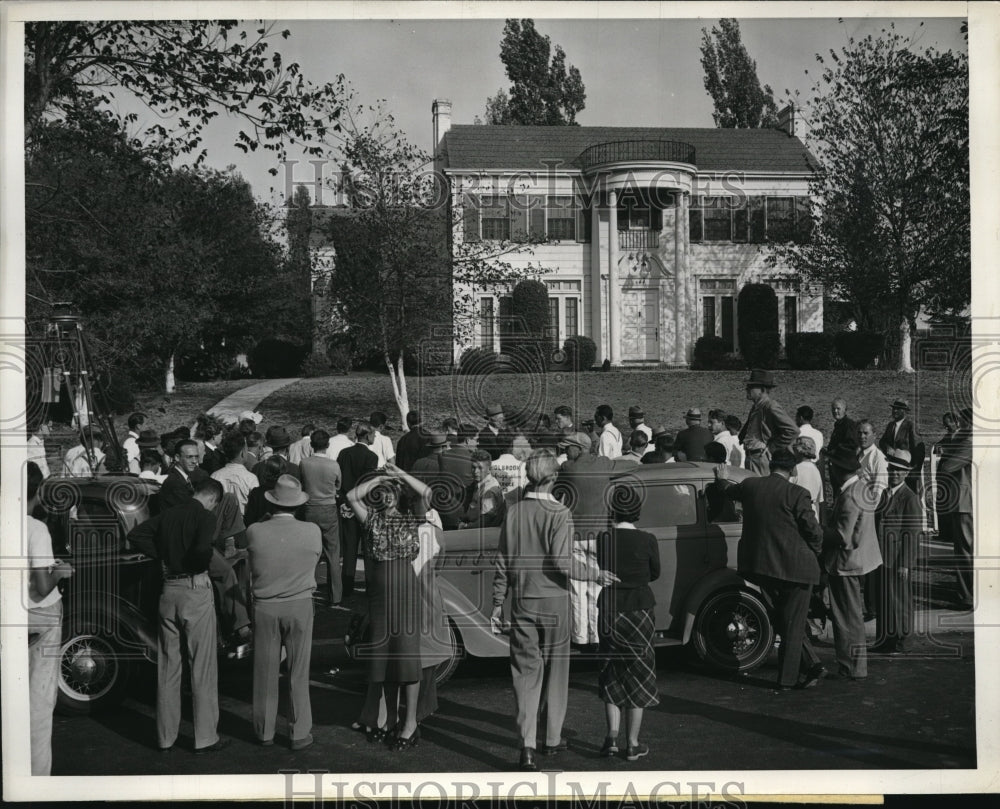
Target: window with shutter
<point>563,213</point>
<point>718,220</point>
<point>495,218</point>
<point>780,219</point>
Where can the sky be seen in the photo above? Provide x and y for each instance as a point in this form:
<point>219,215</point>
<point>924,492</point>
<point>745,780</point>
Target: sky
<point>636,72</point>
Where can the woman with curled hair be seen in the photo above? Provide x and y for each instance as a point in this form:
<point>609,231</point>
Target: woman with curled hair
<point>806,473</point>
<point>391,542</point>
<point>533,567</point>
<point>627,683</point>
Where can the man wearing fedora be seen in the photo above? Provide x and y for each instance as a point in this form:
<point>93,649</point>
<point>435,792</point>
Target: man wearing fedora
<point>283,556</point>
<point>494,437</point>
<point>278,439</point>
<point>901,433</point>
<point>955,475</point>
<point>637,421</point>
<point>768,426</point>
<point>850,552</point>
<point>663,447</point>
<point>898,521</point>
<point>692,439</point>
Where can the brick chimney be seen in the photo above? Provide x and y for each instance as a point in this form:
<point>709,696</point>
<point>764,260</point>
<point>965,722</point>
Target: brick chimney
<point>441,114</point>
<point>790,122</point>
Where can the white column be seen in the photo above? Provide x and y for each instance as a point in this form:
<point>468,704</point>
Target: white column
<point>595,275</point>
<point>679,284</point>
<point>614,310</point>
<point>692,291</point>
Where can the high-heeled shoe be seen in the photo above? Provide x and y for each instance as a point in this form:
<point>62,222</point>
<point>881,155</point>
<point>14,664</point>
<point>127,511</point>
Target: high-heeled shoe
<point>406,742</point>
<point>376,735</point>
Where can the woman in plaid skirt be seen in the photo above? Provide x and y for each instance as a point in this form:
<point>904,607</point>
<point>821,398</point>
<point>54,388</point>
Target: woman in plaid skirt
<point>628,680</point>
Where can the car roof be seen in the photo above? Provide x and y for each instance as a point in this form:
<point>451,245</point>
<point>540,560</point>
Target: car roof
<point>98,487</point>
<point>678,472</point>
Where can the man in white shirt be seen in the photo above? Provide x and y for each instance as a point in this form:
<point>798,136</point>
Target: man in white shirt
<point>636,420</point>
<point>341,440</point>
<point>150,466</point>
<point>303,447</point>
<point>610,441</point>
<point>79,462</point>
<point>234,476</point>
<point>874,468</point>
<point>382,444</point>
<point>803,418</point>
<point>717,426</point>
<point>44,603</point>
<point>36,447</point>
<point>131,443</point>
<point>564,420</point>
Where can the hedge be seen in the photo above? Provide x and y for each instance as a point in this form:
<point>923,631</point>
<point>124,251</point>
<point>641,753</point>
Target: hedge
<point>809,351</point>
<point>859,348</point>
<point>761,349</point>
<point>709,353</point>
<point>580,351</point>
<point>275,358</point>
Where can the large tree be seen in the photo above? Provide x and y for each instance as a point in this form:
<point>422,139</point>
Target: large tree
<point>399,285</point>
<point>890,126</point>
<point>544,90</point>
<point>731,80</point>
<point>189,71</point>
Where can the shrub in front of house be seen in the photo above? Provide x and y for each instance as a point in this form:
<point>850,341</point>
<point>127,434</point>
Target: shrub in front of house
<point>758,309</point>
<point>761,349</point>
<point>274,358</point>
<point>859,348</point>
<point>580,351</point>
<point>709,353</point>
<point>809,351</point>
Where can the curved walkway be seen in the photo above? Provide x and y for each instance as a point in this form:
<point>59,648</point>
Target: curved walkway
<point>248,398</point>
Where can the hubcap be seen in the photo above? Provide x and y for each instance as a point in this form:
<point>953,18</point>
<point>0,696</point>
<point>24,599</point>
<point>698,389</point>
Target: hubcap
<point>89,668</point>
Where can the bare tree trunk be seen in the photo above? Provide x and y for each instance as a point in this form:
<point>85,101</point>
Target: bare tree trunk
<point>170,383</point>
<point>398,379</point>
<point>905,339</point>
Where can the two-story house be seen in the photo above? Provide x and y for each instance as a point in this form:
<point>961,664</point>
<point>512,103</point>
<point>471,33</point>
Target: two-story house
<point>649,233</point>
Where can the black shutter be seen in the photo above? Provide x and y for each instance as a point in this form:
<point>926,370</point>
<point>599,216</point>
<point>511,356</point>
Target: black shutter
<point>803,220</point>
<point>694,224</point>
<point>657,222</point>
<point>536,222</point>
<point>470,217</point>
<point>518,219</point>
<point>758,228</point>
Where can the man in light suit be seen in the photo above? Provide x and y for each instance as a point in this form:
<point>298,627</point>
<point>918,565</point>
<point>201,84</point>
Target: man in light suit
<point>955,476</point>
<point>898,522</point>
<point>850,550</point>
<point>901,433</point>
<point>779,550</point>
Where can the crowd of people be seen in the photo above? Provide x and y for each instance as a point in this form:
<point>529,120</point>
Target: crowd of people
<point>572,565</point>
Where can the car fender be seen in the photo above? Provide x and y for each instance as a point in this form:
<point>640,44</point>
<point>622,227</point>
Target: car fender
<point>116,617</point>
<point>722,579</point>
<point>473,627</point>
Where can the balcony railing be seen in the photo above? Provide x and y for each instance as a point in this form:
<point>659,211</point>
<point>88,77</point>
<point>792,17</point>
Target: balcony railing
<point>636,151</point>
<point>638,239</point>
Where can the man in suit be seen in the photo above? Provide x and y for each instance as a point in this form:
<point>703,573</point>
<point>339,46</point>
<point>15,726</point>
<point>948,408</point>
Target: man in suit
<point>494,437</point>
<point>843,441</point>
<point>955,476</point>
<point>321,481</point>
<point>779,550</point>
<point>457,476</point>
<point>181,538</point>
<point>533,566</point>
<point>283,555</point>
<point>850,551</point>
<point>768,427</point>
<point>278,439</point>
<point>898,522</point>
<point>901,433</point>
<point>411,444</point>
<point>355,462</point>
<point>692,439</point>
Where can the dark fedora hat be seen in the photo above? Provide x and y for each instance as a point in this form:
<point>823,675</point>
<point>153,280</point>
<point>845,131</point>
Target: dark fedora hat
<point>277,437</point>
<point>436,439</point>
<point>148,439</point>
<point>635,412</point>
<point>760,378</point>
<point>494,410</point>
<point>900,404</point>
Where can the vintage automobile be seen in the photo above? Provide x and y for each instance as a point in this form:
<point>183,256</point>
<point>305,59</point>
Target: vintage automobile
<point>110,602</point>
<point>700,598</point>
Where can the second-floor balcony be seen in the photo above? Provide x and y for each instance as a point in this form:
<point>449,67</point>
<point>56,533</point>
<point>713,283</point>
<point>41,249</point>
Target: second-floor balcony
<point>637,151</point>
<point>638,239</point>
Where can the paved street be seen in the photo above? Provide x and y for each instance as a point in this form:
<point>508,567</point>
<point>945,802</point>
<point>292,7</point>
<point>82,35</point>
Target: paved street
<point>912,712</point>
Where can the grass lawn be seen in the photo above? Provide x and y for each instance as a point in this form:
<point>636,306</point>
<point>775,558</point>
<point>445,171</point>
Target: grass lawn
<point>664,395</point>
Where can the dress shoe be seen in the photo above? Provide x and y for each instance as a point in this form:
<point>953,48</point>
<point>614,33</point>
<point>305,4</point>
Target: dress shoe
<point>634,753</point>
<point>551,750</point>
<point>527,762</point>
<point>610,746</point>
<point>166,749</point>
<point>843,675</point>
<point>301,744</point>
<point>265,742</point>
<point>221,744</point>
<point>401,743</point>
<point>813,676</point>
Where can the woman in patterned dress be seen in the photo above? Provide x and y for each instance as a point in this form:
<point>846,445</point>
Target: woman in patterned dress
<point>627,683</point>
<point>391,542</point>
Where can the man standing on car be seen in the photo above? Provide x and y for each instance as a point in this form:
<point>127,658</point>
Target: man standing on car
<point>768,427</point>
<point>779,550</point>
<point>181,538</point>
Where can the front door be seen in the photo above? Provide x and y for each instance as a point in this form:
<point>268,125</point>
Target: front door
<point>640,319</point>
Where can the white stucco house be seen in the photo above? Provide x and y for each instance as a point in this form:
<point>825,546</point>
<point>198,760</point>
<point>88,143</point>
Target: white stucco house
<point>650,232</point>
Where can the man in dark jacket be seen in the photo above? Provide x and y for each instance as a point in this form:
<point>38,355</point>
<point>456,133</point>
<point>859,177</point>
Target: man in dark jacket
<point>411,445</point>
<point>898,522</point>
<point>955,476</point>
<point>278,439</point>
<point>843,442</point>
<point>356,461</point>
<point>779,550</point>
<point>901,433</point>
<point>768,427</point>
<point>457,476</point>
<point>495,438</point>
<point>691,440</point>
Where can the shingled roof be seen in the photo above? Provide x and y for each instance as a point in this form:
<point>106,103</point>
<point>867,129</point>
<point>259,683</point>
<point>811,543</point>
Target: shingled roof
<point>472,147</point>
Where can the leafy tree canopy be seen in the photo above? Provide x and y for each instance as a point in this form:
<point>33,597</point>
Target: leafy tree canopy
<point>731,80</point>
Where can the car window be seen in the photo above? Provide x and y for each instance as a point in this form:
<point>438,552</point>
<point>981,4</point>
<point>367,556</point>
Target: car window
<point>666,505</point>
<point>718,507</point>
